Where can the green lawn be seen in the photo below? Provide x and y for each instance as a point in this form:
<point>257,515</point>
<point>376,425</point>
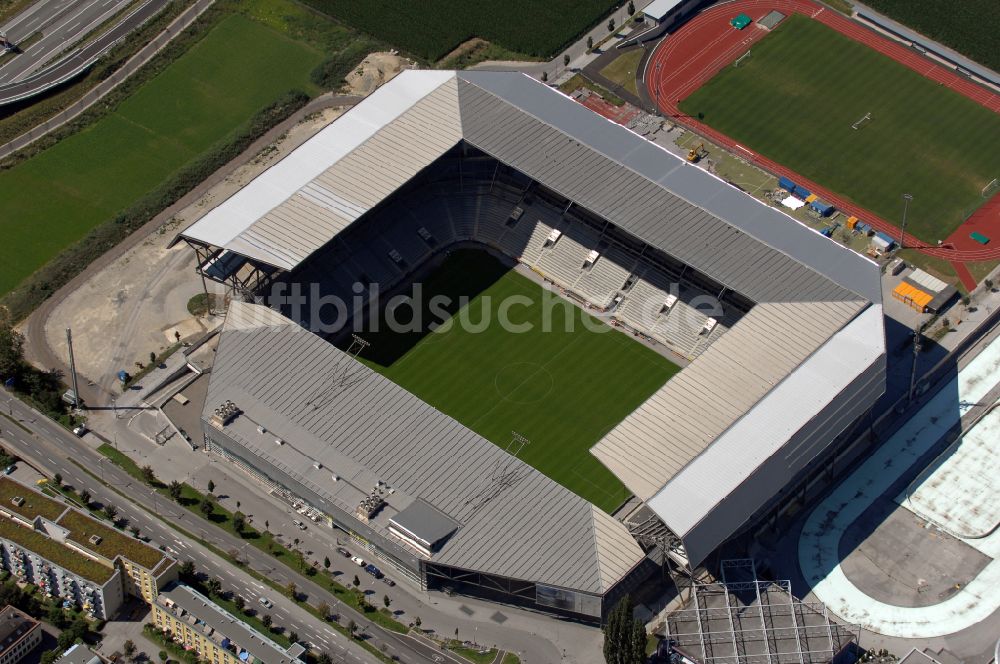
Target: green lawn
<point>623,70</point>
<point>563,388</point>
<point>55,198</point>
<point>797,95</point>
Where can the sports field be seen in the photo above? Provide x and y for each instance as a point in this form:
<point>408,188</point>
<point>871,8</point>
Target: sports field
<point>797,95</point>
<point>53,199</point>
<point>562,385</point>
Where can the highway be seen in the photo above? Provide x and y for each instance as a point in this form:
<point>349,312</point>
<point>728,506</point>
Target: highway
<point>62,24</point>
<point>51,449</point>
<point>29,73</point>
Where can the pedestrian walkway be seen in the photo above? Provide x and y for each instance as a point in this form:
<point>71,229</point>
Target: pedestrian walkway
<point>819,543</point>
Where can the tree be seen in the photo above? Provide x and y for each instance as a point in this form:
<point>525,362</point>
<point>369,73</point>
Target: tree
<point>163,655</point>
<point>214,586</point>
<point>357,581</point>
<point>11,351</point>
<point>110,511</point>
<point>148,476</point>
<point>352,627</point>
<point>57,478</point>
<point>267,620</point>
<point>326,562</point>
<point>545,76</point>
<point>989,284</point>
<point>239,522</point>
<point>175,490</point>
<point>239,603</point>
<point>207,506</point>
<point>211,486</point>
<point>186,569</point>
<point>623,643</point>
<point>129,649</point>
<point>566,60</point>
<point>85,498</point>
<point>292,590</point>
<point>631,7</point>
<point>386,601</point>
<point>324,659</point>
<point>417,622</point>
<point>50,656</point>
<point>590,43</point>
<point>293,637</point>
<point>323,609</point>
<point>135,531</point>
<point>56,616</point>
<point>611,25</point>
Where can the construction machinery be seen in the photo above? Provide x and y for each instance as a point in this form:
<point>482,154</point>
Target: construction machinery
<point>696,153</point>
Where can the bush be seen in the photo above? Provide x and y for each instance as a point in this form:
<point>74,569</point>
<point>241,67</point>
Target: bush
<point>331,73</point>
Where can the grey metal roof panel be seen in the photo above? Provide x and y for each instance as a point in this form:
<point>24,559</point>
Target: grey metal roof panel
<point>486,124</point>
<point>279,375</point>
<point>661,437</point>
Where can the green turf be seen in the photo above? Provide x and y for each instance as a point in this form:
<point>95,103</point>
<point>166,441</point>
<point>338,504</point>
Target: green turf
<point>562,389</point>
<point>803,86</point>
<point>53,199</point>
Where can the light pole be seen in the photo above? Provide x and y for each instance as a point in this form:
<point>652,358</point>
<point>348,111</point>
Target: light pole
<point>902,231</point>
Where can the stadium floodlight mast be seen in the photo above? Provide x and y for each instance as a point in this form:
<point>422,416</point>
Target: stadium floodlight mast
<point>902,230</point>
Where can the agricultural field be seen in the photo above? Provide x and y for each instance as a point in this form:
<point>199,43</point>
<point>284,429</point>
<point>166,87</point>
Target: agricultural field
<point>968,27</point>
<point>562,389</point>
<point>54,198</point>
<point>433,28</point>
<point>797,95</point>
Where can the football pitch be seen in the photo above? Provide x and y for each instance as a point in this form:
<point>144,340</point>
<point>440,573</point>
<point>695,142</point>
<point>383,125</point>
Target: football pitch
<point>561,384</point>
<point>797,95</point>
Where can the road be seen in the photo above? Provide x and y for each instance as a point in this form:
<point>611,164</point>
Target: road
<point>25,79</point>
<point>48,447</point>
<point>62,23</point>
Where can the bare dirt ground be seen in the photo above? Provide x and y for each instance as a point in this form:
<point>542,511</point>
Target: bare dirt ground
<point>131,308</point>
<point>375,70</point>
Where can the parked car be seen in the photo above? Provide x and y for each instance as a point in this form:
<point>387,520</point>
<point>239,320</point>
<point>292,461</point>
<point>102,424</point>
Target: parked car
<point>9,469</point>
<point>344,552</point>
<point>265,602</point>
<point>374,571</point>
<point>299,524</point>
<point>389,582</point>
<point>358,561</point>
<point>80,430</point>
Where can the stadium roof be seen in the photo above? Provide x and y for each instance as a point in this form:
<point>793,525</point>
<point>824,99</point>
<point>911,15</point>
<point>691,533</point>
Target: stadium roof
<point>812,296</point>
<point>298,205</point>
<point>372,430</point>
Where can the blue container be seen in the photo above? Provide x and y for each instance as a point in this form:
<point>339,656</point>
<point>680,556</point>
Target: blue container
<point>801,192</point>
<point>785,183</point>
<point>825,209</point>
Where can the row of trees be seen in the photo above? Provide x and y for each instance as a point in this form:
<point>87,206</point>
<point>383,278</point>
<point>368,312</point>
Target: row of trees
<point>624,636</point>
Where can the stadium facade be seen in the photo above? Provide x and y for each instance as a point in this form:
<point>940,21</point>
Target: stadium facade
<point>791,355</point>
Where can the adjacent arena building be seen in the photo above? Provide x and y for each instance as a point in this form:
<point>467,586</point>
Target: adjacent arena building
<point>786,357</point>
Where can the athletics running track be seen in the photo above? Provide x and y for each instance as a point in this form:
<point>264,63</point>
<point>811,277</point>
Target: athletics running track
<point>687,59</point>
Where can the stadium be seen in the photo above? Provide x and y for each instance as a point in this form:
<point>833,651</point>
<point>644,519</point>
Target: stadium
<point>722,352</point>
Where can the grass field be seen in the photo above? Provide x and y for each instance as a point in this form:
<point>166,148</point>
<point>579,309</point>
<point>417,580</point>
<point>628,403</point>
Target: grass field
<point>797,95</point>
<point>968,26</point>
<point>432,28</point>
<point>56,197</point>
<point>623,70</point>
<point>562,389</point>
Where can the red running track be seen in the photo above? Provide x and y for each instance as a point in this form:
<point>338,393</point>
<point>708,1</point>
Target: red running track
<point>687,59</point>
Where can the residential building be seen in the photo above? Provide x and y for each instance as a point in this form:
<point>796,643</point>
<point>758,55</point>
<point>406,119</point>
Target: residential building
<point>197,623</point>
<point>19,635</point>
<point>71,555</point>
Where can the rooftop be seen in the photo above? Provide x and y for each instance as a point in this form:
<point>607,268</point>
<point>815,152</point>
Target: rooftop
<point>34,505</point>
<point>425,523</point>
<point>220,626</point>
<point>55,552</point>
<point>78,653</point>
<point>14,625</point>
<point>111,544</point>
